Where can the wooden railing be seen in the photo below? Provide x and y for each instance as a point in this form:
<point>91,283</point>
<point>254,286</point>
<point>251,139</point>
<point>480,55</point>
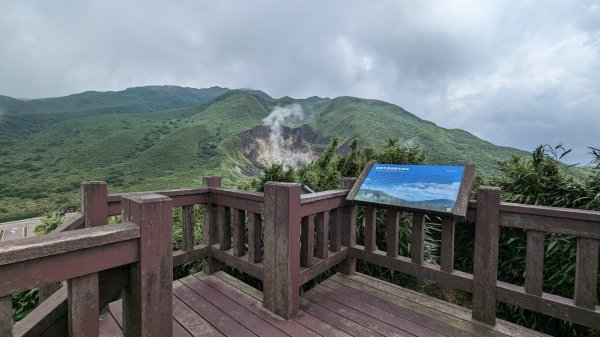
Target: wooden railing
<point>285,239</point>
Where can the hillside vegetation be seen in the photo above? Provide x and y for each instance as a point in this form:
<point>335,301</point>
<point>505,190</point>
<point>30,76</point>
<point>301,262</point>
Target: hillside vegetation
<point>160,137</point>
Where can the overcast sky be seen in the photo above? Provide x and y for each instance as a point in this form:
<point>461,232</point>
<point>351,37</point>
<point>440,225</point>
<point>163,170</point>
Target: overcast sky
<point>516,73</point>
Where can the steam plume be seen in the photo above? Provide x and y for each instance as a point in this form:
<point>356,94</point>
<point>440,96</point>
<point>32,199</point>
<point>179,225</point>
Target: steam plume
<point>275,120</point>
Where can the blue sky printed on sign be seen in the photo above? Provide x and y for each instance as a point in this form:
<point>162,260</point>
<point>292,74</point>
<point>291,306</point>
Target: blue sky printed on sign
<point>415,182</point>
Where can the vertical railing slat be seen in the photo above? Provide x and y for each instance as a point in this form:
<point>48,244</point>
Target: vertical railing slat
<point>83,306</point>
<point>254,237</point>
<point>322,226</point>
<point>239,225</point>
<point>534,263</point>
<point>307,238</point>
<point>393,216</point>
<point>94,203</point>
<point>349,214</point>
<point>370,228</point>
<point>187,230</point>
<point>210,229</point>
<point>447,245</point>
<point>224,220</point>
<point>487,233</point>
<point>586,272</point>
<point>6,316</point>
<point>335,232</point>
<point>417,251</point>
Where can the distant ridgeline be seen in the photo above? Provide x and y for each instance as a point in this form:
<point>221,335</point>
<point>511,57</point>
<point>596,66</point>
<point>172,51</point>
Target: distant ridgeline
<point>160,137</point>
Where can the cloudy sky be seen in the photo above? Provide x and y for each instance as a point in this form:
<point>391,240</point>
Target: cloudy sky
<point>516,73</point>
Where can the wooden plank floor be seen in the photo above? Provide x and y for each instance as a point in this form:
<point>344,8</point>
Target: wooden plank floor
<point>220,305</point>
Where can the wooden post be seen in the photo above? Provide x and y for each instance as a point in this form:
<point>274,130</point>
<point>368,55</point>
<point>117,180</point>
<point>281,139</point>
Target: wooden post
<point>282,248</point>
<point>148,300</point>
<point>349,214</point>
<point>187,230</point>
<point>224,220</point>
<point>447,245</point>
<point>487,233</point>
<point>84,298</point>
<point>94,203</point>
<point>534,263</point>
<point>210,227</point>
<point>322,226</point>
<point>6,316</point>
<point>417,249</point>
<point>586,272</point>
<point>239,235</point>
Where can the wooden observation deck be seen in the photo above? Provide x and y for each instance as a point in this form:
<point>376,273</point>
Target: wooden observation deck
<point>120,277</point>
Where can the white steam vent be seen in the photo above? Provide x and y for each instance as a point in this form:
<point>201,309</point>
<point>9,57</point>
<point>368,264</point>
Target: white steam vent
<point>280,152</point>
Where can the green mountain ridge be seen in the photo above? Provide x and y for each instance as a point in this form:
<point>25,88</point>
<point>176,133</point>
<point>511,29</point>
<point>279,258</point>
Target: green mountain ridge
<point>158,137</point>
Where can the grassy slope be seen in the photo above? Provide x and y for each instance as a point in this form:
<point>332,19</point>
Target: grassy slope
<point>133,148</point>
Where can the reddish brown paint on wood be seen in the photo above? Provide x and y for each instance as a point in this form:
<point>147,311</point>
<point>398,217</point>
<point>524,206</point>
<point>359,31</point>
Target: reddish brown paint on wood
<point>417,251</point>
<point>370,228</point>
<point>187,232</point>
<point>282,248</point>
<point>224,219</point>
<point>94,203</point>
<point>335,231</point>
<point>542,223</point>
<point>487,232</point>
<point>240,263</point>
<point>321,266</point>
<point>462,199</point>
<point>393,217</point>
<point>254,237</point>
<point>84,297</point>
<point>447,245</point>
<point>307,237</point>
<point>586,273</point>
<point>6,316</point>
<point>322,226</point>
<point>349,214</point>
<point>198,252</point>
<point>239,233</point>
<point>210,229</point>
<point>534,263</point>
<point>148,299</point>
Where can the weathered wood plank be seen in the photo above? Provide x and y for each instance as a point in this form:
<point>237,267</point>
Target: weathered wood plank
<point>239,231</point>
<point>109,326</point>
<point>241,263</point>
<point>84,297</point>
<point>534,263</point>
<point>22,276</point>
<point>580,228</point>
<point>146,301</point>
<point>6,316</point>
<point>417,248</point>
<point>282,248</point>
<point>196,253</point>
<point>187,230</point>
<point>287,326</point>
<point>554,212</point>
<point>224,219</point>
<point>354,315</point>
<point>322,201</point>
<point>76,221</point>
<point>337,320</point>
<point>242,315</point>
<point>94,203</point>
<point>253,206</point>
<point>462,199</point>
<point>210,226</point>
<point>322,226</point>
<point>307,238</point>
<point>447,245</point>
<point>191,321</point>
<point>37,247</point>
<point>318,326</point>
<point>487,232</point>
<point>218,319</point>
<point>365,305</point>
<point>393,217</point>
<point>370,228</point>
<point>586,273</point>
<point>456,279</point>
<point>349,218</point>
<point>551,305</point>
<point>180,197</point>
<point>254,237</point>
<point>322,266</point>
<point>335,231</point>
